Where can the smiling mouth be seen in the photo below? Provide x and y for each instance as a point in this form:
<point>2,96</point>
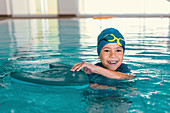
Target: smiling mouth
<point>112,62</point>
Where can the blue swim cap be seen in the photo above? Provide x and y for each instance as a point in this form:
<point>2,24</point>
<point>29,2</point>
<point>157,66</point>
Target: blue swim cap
<point>104,33</point>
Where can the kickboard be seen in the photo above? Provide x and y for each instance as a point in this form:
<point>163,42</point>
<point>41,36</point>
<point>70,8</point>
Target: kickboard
<point>58,75</point>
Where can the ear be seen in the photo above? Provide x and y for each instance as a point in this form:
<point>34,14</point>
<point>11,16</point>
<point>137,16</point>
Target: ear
<point>98,57</point>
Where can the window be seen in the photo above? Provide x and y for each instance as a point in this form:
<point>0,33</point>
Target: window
<point>124,7</point>
<point>34,7</point>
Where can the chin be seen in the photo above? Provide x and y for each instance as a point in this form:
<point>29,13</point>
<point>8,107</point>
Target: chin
<point>113,67</point>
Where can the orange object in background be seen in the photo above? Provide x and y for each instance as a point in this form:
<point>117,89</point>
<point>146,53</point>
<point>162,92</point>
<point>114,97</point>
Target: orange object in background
<point>103,17</point>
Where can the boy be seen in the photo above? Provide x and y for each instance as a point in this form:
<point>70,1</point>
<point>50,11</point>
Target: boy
<point>110,48</point>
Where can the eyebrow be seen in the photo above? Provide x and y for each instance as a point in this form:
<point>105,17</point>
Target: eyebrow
<point>106,48</point>
<point>110,48</point>
<point>118,47</point>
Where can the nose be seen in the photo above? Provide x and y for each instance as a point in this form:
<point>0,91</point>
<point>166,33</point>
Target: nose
<point>112,54</point>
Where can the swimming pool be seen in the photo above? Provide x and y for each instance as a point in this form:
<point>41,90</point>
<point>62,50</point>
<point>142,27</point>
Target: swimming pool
<point>32,44</point>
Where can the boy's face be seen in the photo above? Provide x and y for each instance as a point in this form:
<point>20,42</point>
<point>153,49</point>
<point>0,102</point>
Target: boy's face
<point>111,56</point>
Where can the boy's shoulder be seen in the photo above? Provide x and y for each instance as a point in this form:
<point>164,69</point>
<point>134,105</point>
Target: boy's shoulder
<point>123,68</point>
<point>99,64</point>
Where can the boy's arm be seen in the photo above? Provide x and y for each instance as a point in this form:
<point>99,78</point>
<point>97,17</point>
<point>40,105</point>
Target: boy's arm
<point>112,74</point>
<point>90,68</point>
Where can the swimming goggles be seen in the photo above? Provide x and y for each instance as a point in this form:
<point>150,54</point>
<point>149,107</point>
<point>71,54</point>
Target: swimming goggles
<point>112,38</point>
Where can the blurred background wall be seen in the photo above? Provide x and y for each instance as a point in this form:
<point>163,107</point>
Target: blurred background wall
<point>84,8</point>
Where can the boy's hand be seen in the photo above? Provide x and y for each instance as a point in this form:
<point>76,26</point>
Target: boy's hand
<point>88,68</point>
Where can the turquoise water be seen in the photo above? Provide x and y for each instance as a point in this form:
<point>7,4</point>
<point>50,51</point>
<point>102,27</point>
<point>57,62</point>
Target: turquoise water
<point>31,45</point>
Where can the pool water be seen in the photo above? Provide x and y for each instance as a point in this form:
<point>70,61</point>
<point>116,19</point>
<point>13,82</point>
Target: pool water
<point>32,44</point>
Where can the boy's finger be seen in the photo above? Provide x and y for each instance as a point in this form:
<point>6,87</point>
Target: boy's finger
<point>78,69</point>
<point>80,66</point>
<point>75,66</point>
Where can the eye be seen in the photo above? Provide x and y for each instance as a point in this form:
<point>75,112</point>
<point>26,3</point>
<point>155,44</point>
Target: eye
<point>106,50</point>
<point>119,50</point>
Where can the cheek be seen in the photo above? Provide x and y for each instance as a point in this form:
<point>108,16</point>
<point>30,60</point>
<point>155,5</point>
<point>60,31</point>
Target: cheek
<point>121,57</point>
<point>102,55</point>
<point>103,59</point>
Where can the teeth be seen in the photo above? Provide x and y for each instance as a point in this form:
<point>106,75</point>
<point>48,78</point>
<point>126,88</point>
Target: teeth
<point>112,61</point>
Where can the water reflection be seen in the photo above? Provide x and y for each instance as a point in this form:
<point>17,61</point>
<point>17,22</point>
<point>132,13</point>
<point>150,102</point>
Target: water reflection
<point>168,44</point>
<point>38,36</point>
<point>69,34</point>
<point>5,36</point>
